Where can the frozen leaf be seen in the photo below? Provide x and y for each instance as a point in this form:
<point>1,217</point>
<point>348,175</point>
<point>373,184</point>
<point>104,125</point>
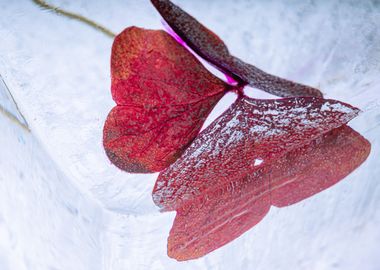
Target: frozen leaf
<point>210,47</point>
<point>230,208</point>
<point>163,95</point>
<point>250,134</point>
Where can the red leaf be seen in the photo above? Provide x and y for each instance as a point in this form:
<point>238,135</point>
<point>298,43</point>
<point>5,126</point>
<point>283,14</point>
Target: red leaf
<point>249,132</point>
<point>163,95</point>
<point>210,47</point>
<point>230,208</point>
<point>257,154</point>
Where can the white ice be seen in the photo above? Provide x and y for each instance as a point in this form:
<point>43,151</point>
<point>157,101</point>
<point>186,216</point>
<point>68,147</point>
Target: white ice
<point>64,206</point>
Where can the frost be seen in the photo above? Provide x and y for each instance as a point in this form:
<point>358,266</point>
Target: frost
<point>58,72</point>
<point>258,129</point>
<point>335,108</point>
<point>235,137</point>
<point>257,162</point>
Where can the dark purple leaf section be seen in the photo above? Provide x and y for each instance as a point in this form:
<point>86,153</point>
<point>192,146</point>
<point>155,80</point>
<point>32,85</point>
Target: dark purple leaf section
<point>210,47</point>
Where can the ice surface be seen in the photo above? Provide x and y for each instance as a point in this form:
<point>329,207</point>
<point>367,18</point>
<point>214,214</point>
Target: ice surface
<point>45,222</point>
<point>64,206</point>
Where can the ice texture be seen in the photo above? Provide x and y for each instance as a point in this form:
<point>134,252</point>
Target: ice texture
<point>72,209</point>
<point>45,221</point>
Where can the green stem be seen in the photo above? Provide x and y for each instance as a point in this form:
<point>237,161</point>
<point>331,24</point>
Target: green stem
<point>74,16</point>
<point>9,115</point>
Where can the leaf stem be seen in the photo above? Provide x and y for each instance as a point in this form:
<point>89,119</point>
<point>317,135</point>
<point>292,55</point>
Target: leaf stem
<point>74,16</point>
<point>23,124</point>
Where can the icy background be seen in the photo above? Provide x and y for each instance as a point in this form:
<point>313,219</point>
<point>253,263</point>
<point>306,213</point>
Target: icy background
<point>64,206</point>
